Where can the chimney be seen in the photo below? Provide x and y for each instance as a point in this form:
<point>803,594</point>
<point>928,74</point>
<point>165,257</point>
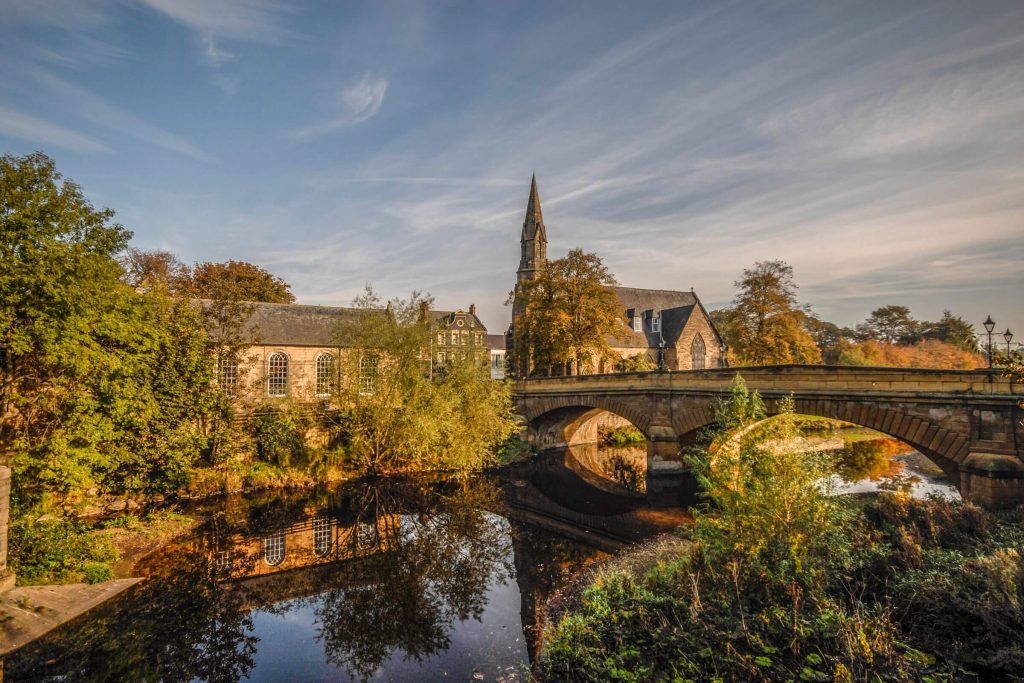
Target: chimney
<point>472,309</point>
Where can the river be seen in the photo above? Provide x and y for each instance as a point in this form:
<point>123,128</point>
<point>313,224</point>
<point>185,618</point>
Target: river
<point>401,579</point>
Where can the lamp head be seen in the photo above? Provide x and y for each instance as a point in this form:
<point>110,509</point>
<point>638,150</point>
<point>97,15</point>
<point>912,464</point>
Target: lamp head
<point>1008,336</point>
<point>989,324</point>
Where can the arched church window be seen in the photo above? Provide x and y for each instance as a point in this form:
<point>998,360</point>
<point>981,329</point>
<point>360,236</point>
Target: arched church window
<point>697,354</point>
<point>273,549</point>
<point>227,374</point>
<point>277,375</point>
<point>324,374</point>
<point>322,540</point>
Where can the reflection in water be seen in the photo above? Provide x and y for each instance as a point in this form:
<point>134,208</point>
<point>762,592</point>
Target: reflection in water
<point>397,580</point>
<point>621,470</point>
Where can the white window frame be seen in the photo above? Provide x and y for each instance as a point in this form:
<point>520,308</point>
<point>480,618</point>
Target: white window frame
<point>325,376</point>
<point>274,549</point>
<point>323,540</point>
<point>227,374</point>
<point>367,374</point>
<point>656,322</point>
<point>638,323</point>
<point>272,389</point>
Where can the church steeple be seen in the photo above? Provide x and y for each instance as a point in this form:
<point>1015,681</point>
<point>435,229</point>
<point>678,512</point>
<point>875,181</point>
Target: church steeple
<point>534,239</point>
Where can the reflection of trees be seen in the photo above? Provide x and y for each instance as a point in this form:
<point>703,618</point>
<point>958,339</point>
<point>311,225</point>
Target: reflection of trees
<point>869,459</point>
<point>180,626</point>
<point>434,570</point>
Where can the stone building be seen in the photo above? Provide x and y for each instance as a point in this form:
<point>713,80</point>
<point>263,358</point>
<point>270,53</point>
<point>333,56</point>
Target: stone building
<point>295,351</point>
<point>671,328</point>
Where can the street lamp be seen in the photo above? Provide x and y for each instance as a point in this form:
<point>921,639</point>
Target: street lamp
<point>1008,336</point>
<point>989,326</point>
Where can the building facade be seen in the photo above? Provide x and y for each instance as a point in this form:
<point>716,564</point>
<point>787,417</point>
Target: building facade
<point>297,352</point>
<point>670,329</point>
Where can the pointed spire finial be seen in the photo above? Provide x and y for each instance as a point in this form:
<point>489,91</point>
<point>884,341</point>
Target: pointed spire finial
<point>533,225</point>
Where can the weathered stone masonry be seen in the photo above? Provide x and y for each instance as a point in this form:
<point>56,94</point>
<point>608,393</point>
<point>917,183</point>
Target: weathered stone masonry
<point>968,422</point>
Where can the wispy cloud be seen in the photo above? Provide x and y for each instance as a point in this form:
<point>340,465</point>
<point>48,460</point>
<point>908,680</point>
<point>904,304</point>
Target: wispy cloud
<point>35,130</point>
<point>252,20</point>
<point>358,103</point>
<point>99,111</point>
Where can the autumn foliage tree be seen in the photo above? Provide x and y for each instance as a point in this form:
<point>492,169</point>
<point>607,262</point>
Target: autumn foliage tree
<point>569,313</point>
<point>765,325</point>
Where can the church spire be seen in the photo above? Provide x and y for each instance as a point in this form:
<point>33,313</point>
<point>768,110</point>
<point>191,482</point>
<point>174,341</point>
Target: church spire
<point>533,224</point>
<point>534,240</point>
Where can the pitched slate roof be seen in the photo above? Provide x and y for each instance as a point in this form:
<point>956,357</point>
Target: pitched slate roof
<point>675,308</point>
<point>298,324</point>
<point>496,342</point>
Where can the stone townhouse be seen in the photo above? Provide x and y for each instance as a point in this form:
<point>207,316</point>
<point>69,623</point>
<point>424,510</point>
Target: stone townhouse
<point>671,328</point>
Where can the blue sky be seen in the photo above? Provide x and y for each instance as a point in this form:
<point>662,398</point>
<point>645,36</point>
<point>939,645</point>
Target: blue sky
<point>878,147</point>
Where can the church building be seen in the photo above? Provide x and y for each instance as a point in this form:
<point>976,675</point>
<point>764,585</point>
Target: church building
<point>671,328</point>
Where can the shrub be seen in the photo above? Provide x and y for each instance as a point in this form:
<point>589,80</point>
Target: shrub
<point>56,551</point>
<point>280,435</point>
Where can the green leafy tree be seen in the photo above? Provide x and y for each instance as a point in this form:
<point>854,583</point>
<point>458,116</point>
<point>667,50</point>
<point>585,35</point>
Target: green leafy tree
<point>402,414</point>
<point>952,329</point>
<point>102,384</point>
<point>891,324</point>
<point>765,326</point>
<point>569,313</point>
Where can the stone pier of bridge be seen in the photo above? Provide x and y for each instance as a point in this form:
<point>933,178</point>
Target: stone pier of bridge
<point>970,423</point>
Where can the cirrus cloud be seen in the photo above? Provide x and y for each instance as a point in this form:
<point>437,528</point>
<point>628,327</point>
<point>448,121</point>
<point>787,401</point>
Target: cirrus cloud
<point>359,102</point>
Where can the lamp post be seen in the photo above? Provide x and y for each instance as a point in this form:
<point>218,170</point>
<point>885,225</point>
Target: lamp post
<point>1008,336</point>
<point>989,326</point>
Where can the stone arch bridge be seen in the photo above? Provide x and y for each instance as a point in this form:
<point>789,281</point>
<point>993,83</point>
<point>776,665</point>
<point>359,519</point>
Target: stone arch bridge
<point>969,422</point>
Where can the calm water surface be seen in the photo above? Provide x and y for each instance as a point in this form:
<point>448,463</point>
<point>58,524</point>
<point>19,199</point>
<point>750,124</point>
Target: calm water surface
<point>394,580</point>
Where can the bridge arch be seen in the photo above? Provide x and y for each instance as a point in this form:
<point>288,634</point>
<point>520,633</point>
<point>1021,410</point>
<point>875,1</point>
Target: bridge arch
<point>945,447</point>
<point>560,421</point>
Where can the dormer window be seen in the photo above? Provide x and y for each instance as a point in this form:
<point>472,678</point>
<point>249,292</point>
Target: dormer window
<point>656,322</point>
<point>638,323</point>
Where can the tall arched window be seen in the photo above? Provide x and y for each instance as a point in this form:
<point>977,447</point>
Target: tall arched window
<point>697,353</point>
<point>367,374</point>
<point>322,540</point>
<point>227,374</point>
<point>277,375</point>
<point>324,374</point>
<point>273,549</point>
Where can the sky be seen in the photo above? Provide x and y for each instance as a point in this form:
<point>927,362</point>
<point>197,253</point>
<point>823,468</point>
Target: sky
<point>877,147</point>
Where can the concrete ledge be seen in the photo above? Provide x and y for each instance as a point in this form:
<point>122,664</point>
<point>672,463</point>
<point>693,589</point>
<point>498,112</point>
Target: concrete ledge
<point>36,610</point>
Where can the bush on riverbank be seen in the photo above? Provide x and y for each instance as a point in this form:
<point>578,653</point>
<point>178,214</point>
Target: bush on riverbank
<point>784,582</point>
<point>58,551</point>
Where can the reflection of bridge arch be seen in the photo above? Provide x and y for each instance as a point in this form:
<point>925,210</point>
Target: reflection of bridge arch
<point>968,422</point>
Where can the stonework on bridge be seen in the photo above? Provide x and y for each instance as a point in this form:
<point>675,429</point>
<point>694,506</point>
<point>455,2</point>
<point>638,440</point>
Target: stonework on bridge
<point>968,422</point>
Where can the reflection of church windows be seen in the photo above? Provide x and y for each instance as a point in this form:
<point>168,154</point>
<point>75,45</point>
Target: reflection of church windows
<point>367,374</point>
<point>697,353</point>
<point>222,560</point>
<point>227,374</point>
<point>324,374</point>
<point>277,375</point>
<point>366,536</point>
<point>273,549</point>
<point>322,540</point>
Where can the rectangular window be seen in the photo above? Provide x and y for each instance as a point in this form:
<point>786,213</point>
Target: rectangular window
<point>638,323</point>
<point>440,338</point>
<point>440,357</point>
<point>656,323</point>
<point>479,338</point>
<point>497,361</point>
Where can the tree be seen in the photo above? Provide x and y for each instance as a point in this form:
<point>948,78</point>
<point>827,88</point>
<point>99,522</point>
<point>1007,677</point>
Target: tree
<point>101,384</point>
<point>236,281</point>
<point>954,330</point>
<point>892,324</point>
<point>930,353</point>
<point>399,415</point>
<point>569,313</point>
<point>146,269</point>
<point>765,326</point>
